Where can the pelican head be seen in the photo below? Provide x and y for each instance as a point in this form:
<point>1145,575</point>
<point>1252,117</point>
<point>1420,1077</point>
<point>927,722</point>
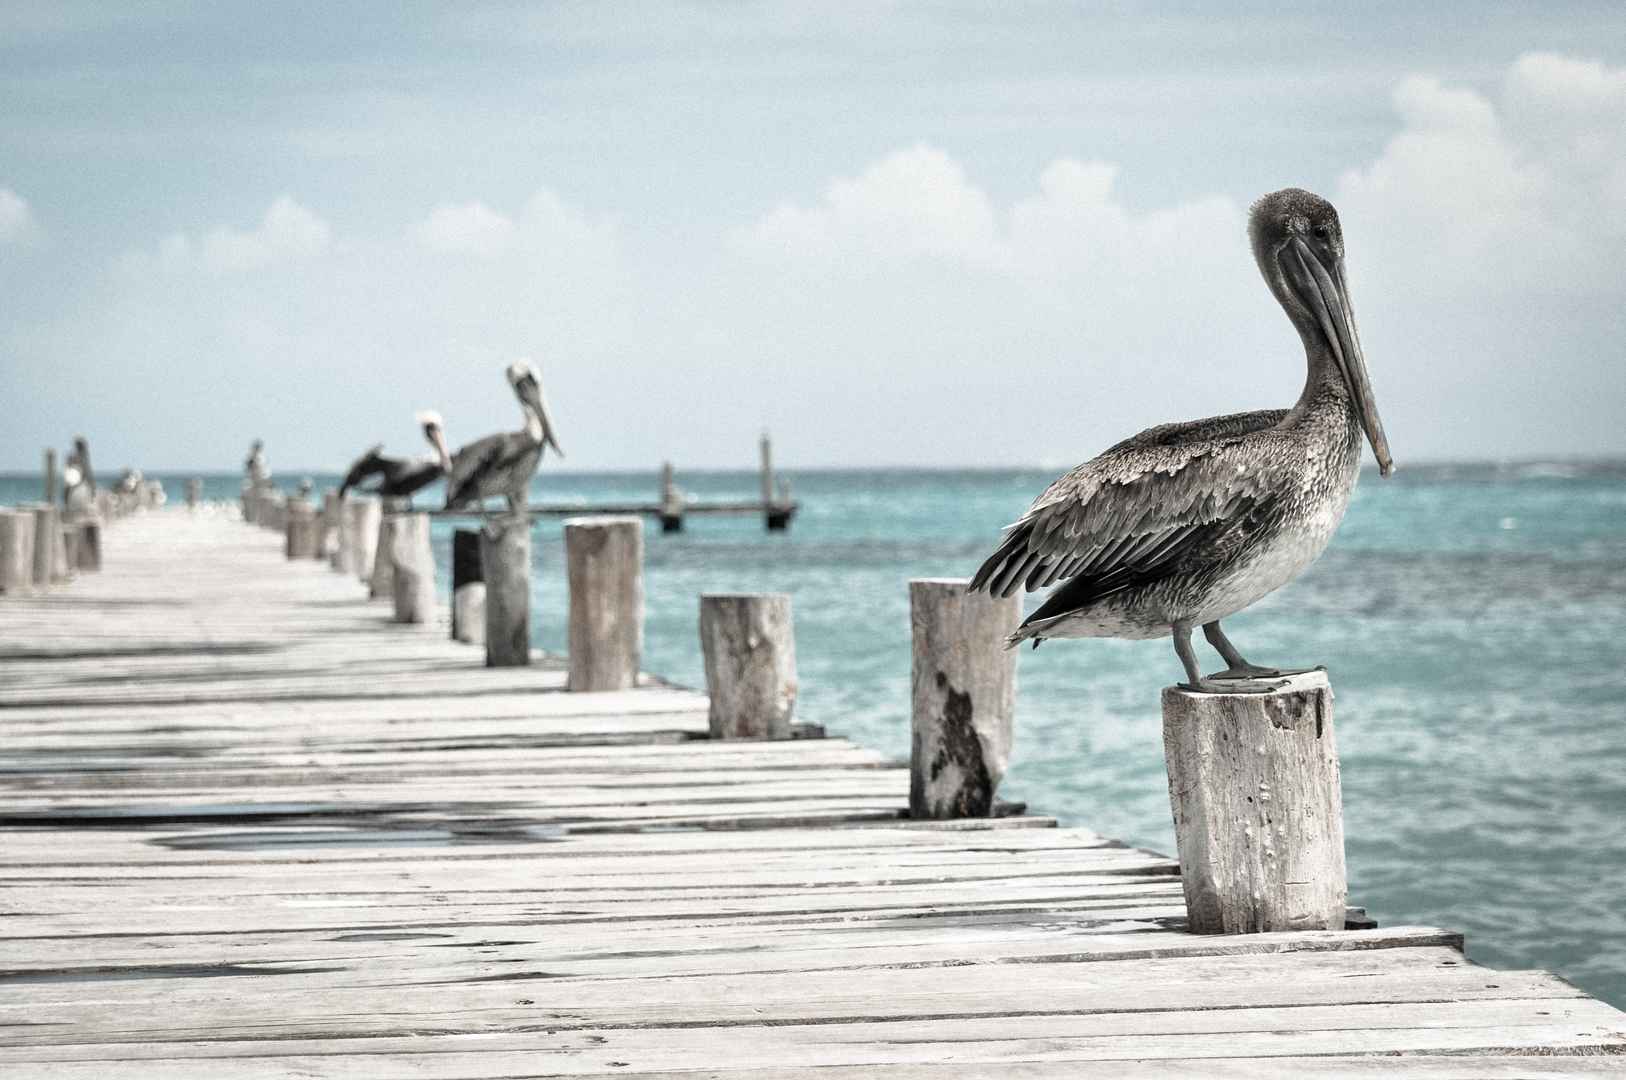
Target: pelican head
<point>527,386</point>
<point>1299,246</point>
<point>434,429</point>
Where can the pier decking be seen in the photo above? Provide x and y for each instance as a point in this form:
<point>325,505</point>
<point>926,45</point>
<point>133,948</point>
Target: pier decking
<point>249,827</point>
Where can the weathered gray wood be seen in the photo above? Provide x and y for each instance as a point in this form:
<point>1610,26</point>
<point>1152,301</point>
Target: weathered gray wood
<point>88,557</point>
<point>327,526</point>
<point>468,588</point>
<point>47,543</point>
<point>367,514</point>
<point>605,558</point>
<point>381,585</point>
<point>963,694</point>
<point>1258,810</point>
<point>342,557</point>
<point>16,551</point>
<point>414,569</point>
<point>194,493</point>
<point>300,529</point>
<point>49,493</point>
<point>749,645</point>
<point>505,560</point>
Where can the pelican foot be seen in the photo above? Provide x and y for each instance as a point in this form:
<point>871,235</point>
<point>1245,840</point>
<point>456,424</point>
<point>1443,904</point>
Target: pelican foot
<point>1211,685</point>
<point>1254,671</point>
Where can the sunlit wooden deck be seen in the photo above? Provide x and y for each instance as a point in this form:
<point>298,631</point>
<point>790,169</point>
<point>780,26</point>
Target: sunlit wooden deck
<point>249,827</point>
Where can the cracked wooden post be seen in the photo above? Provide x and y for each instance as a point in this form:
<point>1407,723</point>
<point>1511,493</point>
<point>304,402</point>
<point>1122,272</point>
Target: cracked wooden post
<point>505,563</point>
<point>381,586</point>
<point>342,556</point>
<point>750,652</point>
<point>47,545</point>
<point>299,530</point>
<point>16,551</point>
<point>469,589</point>
<point>605,562</point>
<point>413,569</point>
<point>327,526</point>
<point>88,554</point>
<point>964,697</point>
<point>1258,810</point>
<point>365,515</point>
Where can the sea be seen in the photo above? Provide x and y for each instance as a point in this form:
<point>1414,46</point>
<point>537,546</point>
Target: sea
<point>1472,618</point>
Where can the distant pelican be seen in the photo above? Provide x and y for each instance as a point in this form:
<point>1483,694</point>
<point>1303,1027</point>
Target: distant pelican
<point>1185,524</point>
<point>503,464</point>
<point>402,477</point>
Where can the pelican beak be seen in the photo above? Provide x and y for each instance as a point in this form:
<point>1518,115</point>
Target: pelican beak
<point>1325,294</point>
<point>437,439</point>
<point>539,404</point>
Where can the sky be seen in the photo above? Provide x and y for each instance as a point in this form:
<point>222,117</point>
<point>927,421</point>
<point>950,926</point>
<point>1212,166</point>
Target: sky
<point>891,233</point>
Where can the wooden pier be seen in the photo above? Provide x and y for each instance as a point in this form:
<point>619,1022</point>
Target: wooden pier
<point>252,827</point>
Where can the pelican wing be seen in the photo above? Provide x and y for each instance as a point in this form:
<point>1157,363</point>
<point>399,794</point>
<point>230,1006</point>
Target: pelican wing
<point>1120,518</point>
<point>367,465</point>
<point>469,464</point>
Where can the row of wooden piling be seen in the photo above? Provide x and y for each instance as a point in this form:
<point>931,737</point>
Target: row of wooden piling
<point>1253,779</point>
<point>41,546</point>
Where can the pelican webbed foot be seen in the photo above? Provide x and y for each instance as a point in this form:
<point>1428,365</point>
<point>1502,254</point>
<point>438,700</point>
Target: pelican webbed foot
<point>1254,671</point>
<point>1234,686</point>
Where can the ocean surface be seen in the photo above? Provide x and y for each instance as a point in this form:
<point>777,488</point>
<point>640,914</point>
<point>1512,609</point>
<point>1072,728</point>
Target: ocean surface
<point>1473,618</point>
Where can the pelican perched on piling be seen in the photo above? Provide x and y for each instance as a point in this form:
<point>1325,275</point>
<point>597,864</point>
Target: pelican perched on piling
<point>1185,524</point>
<point>503,464</point>
<point>403,476</point>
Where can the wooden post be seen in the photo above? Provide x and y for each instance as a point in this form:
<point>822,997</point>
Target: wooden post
<point>750,651</point>
<point>605,560</point>
<point>16,551</point>
<point>89,555</point>
<point>382,583</point>
<point>47,539</point>
<point>468,589</point>
<point>1258,810</point>
<point>343,559</point>
<point>365,516</point>
<point>671,501</point>
<point>964,697</point>
<point>505,563</point>
<point>63,558</point>
<point>413,569</point>
<point>327,525</point>
<point>194,493</point>
<point>300,532</point>
<point>50,476</point>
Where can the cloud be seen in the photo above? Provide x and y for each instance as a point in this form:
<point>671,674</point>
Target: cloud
<point>913,203</point>
<point>287,233</point>
<point>1525,193</point>
<point>545,221</point>
<point>472,228</point>
<point>16,217</point>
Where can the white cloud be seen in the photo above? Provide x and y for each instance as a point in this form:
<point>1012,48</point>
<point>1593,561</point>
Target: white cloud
<point>912,203</point>
<point>16,216</point>
<point>1480,196</point>
<point>472,228</point>
<point>287,233</point>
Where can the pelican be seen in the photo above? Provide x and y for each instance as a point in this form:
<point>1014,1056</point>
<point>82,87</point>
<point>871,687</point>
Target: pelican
<point>503,464</point>
<point>403,476</point>
<point>1185,524</point>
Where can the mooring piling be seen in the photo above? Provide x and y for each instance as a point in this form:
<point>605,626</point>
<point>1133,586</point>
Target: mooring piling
<point>468,588</point>
<point>1258,807</point>
<point>413,569</point>
<point>300,530</point>
<point>963,697</point>
<point>16,551</point>
<point>605,566</point>
<point>749,645</point>
<point>505,564</point>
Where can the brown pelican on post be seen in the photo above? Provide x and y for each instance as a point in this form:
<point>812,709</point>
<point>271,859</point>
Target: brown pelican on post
<point>401,477</point>
<point>1185,524</point>
<point>503,464</point>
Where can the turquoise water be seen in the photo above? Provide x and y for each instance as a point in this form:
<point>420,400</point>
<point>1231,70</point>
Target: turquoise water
<point>1473,619</point>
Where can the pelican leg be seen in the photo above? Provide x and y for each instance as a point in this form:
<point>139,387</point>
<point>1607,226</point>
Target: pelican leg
<point>1194,679</point>
<point>1238,668</point>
